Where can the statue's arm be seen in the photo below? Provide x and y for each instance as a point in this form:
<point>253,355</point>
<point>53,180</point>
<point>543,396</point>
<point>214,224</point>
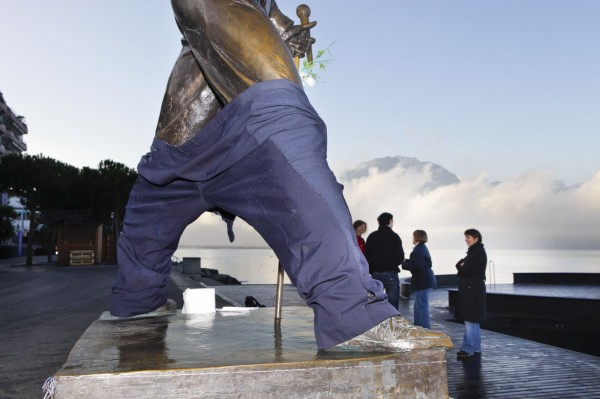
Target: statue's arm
<point>279,19</point>
<point>296,37</point>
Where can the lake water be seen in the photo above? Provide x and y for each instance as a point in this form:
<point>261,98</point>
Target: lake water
<point>259,265</point>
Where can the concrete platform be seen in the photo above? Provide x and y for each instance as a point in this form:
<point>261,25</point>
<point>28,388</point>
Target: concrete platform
<point>237,355</point>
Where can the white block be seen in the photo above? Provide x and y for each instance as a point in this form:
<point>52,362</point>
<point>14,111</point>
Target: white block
<point>198,300</point>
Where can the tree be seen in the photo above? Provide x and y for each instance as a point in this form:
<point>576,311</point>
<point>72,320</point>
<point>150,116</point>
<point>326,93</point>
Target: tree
<point>44,182</point>
<point>107,188</point>
<point>7,230</point>
<point>50,184</point>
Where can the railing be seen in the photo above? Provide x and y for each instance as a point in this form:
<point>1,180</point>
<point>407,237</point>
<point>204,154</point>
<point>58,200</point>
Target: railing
<point>16,141</point>
<point>492,272</point>
<point>14,123</point>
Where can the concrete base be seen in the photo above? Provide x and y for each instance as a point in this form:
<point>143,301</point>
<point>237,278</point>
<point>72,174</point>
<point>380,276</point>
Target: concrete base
<point>237,355</point>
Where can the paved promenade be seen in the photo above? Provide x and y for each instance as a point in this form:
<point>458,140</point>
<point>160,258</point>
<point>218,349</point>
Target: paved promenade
<point>45,310</point>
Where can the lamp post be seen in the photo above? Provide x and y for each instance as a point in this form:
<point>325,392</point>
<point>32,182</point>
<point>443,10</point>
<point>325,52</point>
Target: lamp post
<point>21,227</point>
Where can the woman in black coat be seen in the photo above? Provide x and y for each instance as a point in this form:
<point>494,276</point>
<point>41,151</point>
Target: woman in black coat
<point>470,306</point>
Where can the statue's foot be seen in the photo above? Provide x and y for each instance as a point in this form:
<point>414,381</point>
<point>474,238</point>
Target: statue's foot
<point>169,308</point>
<point>395,334</point>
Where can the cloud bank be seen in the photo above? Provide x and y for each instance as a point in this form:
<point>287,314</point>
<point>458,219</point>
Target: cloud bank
<point>531,211</point>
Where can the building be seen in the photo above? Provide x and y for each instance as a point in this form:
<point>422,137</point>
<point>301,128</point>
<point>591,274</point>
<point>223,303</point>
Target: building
<point>80,238</point>
<point>12,129</point>
<point>21,223</point>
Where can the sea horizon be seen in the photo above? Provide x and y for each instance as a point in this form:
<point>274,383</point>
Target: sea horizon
<point>258,264</point>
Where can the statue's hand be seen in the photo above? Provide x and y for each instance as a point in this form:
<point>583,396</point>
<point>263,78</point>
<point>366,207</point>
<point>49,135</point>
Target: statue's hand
<point>297,38</point>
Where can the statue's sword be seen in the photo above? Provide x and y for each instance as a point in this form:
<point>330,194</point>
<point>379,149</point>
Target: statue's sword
<point>303,12</point>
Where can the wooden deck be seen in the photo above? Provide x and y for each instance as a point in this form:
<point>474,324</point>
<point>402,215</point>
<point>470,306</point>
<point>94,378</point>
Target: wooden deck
<point>511,367</point>
<point>554,314</point>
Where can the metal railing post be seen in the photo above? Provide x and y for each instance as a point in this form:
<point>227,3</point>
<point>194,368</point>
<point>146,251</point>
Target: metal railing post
<point>279,291</point>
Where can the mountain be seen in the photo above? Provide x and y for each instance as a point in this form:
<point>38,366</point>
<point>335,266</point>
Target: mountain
<point>439,175</point>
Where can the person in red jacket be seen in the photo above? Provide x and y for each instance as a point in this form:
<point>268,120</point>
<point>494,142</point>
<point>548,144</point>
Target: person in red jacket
<point>360,227</point>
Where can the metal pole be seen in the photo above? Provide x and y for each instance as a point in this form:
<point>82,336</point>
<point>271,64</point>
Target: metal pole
<point>303,12</point>
<point>20,231</point>
<point>279,291</point>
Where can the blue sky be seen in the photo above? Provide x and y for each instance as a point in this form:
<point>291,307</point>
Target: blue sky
<point>508,90</point>
<point>495,86</point>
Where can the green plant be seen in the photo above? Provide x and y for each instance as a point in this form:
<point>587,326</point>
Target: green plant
<point>310,69</point>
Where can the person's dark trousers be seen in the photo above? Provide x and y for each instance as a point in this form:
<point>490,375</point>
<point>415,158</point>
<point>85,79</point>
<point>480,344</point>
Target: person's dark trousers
<point>391,283</point>
<point>263,159</point>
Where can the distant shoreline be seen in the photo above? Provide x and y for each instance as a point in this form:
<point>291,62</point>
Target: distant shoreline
<point>257,264</point>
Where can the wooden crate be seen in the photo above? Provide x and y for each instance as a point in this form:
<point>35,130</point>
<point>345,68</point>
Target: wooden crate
<point>82,258</point>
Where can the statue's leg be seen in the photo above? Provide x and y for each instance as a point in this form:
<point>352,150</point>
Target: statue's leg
<point>235,44</point>
<point>293,200</point>
<point>154,221</point>
<point>283,187</point>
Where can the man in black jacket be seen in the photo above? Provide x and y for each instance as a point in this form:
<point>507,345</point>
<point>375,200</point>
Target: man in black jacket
<point>384,254</point>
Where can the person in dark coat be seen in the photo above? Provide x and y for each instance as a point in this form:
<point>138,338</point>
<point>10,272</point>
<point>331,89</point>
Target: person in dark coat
<point>423,279</point>
<point>384,254</point>
<point>470,306</point>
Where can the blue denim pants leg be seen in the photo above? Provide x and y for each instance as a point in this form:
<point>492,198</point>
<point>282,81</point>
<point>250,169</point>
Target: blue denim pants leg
<point>421,308</point>
<point>472,338</point>
<point>391,283</point>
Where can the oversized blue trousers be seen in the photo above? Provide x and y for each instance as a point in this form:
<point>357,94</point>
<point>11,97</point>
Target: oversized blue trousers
<point>262,158</point>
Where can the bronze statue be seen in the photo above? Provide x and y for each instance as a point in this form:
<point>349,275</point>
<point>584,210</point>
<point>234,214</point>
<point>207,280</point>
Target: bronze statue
<point>237,135</point>
<point>220,60</point>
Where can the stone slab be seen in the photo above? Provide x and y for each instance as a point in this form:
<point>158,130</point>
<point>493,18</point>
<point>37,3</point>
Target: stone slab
<point>191,265</point>
<point>237,355</point>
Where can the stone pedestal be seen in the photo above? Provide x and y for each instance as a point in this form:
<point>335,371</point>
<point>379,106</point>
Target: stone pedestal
<point>238,355</point>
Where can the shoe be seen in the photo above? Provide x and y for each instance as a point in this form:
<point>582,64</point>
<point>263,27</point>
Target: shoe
<point>464,355</point>
<point>395,334</point>
<point>169,308</point>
